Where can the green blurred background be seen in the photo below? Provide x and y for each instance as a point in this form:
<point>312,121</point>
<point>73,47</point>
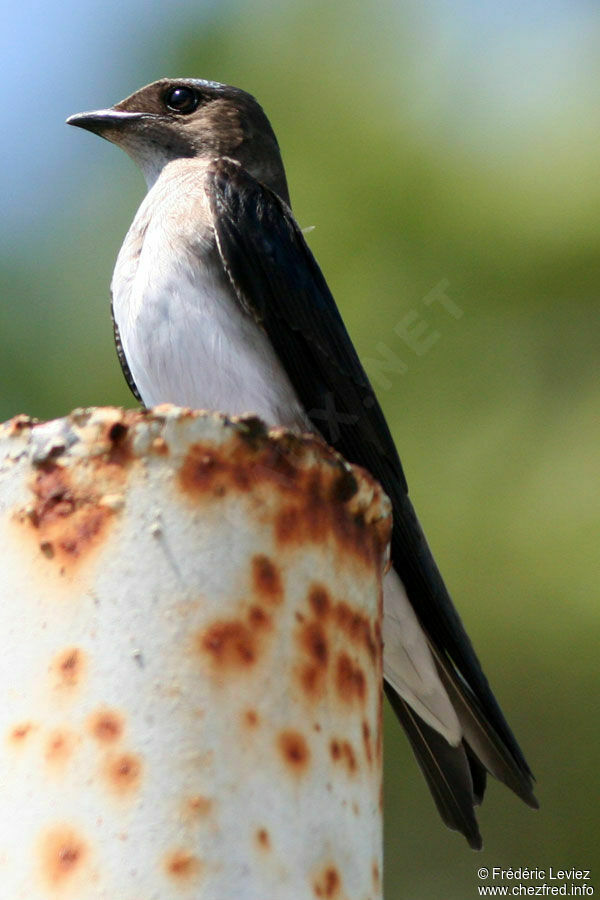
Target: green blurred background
<point>431,144</point>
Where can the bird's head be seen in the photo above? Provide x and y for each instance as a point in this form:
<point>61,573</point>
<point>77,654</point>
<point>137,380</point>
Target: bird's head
<point>187,117</point>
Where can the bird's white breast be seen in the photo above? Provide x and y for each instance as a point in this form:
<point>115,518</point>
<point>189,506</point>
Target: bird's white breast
<point>184,334</point>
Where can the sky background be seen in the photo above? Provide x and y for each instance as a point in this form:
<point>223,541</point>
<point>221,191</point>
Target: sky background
<point>430,144</point>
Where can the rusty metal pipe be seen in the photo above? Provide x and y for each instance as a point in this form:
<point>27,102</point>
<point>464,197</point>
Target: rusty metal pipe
<point>191,665</point>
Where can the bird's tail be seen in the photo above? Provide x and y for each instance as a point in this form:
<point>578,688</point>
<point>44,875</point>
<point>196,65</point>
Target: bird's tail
<point>447,770</point>
<point>451,735</point>
<point>456,775</point>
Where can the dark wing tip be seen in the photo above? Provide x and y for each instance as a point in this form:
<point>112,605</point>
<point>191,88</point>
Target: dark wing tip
<point>485,746</point>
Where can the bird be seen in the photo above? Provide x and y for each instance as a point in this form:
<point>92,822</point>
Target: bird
<point>218,303</point>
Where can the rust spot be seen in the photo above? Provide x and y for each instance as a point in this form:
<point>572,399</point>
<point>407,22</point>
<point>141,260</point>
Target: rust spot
<point>311,679</point>
<point>258,618</point>
<point>63,852</point>
<point>59,747</point>
<point>206,469</point>
<point>84,531</point>
<point>358,628</point>
<point>294,750</point>
<point>47,549</point>
<point>263,839</point>
<point>182,865</point>
<point>376,875</point>
<point>67,518</point>
<point>350,679</point>
<point>266,578</point>
<point>251,718</point>
<point>229,644</point>
<point>69,666</point>
<point>366,733</point>
<point>124,773</point>
<point>19,423</point>
<point>199,805</point>
<point>274,465</point>
<point>199,469</point>
<point>349,756</point>
<point>254,431</point>
<point>317,514</point>
<point>55,498</point>
<point>287,525</point>
<point>106,726</point>
<point>319,601</point>
<point>342,751</point>
<point>160,446</point>
<point>120,452</point>
<point>117,432</point>
<point>20,733</point>
<point>328,883</point>
<point>314,643</point>
<point>344,487</point>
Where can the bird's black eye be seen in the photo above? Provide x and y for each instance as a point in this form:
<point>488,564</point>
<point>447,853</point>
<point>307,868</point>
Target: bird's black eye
<point>181,99</point>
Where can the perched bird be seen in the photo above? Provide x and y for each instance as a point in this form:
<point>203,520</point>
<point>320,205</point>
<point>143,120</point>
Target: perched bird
<point>219,304</point>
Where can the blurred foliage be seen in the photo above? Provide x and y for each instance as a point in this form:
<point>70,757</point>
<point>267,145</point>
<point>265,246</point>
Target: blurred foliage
<point>497,422</point>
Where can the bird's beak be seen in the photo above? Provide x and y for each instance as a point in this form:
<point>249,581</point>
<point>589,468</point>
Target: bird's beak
<point>102,121</point>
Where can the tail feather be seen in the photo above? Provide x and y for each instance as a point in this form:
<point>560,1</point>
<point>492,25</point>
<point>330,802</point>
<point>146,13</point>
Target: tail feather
<point>447,770</point>
<point>478,775</point>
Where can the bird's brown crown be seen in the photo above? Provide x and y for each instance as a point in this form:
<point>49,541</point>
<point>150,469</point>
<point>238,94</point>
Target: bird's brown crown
<point>188,117</point>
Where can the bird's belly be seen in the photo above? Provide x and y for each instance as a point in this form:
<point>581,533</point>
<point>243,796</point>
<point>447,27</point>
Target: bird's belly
<point>187,341</point>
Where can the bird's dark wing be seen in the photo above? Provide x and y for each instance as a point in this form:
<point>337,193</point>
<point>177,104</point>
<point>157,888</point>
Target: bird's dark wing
<point>278,280</point>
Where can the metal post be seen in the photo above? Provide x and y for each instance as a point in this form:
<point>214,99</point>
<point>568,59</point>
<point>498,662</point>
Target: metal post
<point>190,611</point>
